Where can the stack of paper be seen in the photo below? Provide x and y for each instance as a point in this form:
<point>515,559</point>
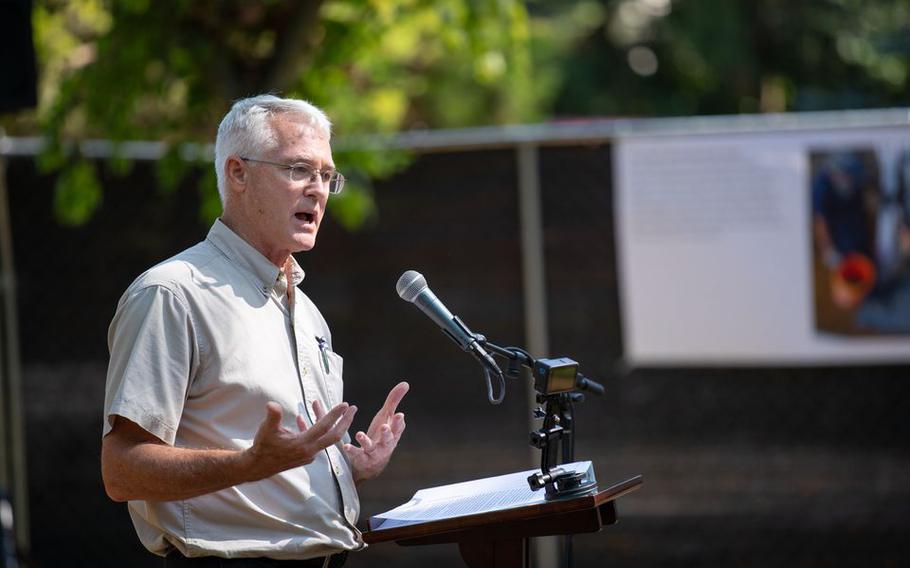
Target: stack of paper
<point>470,498</point>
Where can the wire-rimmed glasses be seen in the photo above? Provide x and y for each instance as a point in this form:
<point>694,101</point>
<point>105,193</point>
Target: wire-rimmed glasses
<point>302,172</point>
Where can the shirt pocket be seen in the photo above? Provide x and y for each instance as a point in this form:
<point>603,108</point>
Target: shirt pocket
<point>331,366</point>
<point>334,382</point>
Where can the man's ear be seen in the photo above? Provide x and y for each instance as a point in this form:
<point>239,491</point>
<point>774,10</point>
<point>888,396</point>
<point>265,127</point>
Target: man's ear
<point>235,173</point>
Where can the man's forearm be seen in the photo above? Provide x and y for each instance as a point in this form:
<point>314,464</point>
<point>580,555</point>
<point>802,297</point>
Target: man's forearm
<point>137,465</point>
<point>157,472</point>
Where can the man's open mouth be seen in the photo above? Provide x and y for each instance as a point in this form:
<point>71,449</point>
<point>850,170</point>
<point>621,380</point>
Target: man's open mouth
<point>306,217</point>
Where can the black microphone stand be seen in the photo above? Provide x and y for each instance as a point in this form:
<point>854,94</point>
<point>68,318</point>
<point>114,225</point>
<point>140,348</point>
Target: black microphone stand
<point>557,408</point>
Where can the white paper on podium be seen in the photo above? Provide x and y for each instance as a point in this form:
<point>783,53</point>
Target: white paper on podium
<point>470,498</point>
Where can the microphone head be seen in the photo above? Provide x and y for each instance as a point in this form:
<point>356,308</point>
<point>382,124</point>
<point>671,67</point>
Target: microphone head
<point>410,284</point>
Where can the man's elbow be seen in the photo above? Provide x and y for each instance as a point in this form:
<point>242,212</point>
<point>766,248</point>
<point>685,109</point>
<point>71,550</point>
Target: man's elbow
<point>111,473</point>
<point>115,493</point>
<point>113,486</point>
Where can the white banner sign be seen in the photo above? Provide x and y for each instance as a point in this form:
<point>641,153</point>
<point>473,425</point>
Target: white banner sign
<point>786,247</point>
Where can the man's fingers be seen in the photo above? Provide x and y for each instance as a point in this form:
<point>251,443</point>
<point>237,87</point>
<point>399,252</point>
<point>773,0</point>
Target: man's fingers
<point>341,426</point>
<point>352,451</point>
<point>365,442</point>
<point>331,429</point>
<point>301,423</point>
<point>394,399</point>
<point>318,410</point>
<point>398,424</point>
<point>272,416</point>
<point>325,422</point>
<point>388,408</point>
<point>327,431</point>
<point>387,436</point>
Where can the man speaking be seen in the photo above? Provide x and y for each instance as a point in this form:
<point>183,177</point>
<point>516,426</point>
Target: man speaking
<point>225,426</point>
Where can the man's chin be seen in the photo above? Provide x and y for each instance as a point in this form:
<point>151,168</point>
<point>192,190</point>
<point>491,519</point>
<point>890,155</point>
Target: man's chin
<point>304,243</point>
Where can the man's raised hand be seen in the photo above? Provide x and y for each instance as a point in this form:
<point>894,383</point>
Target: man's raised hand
<point>380,439</point>
<point>276,448</point>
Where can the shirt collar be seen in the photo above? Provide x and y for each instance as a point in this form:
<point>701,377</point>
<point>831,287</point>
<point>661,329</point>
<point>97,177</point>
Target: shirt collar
<point>265,274</point>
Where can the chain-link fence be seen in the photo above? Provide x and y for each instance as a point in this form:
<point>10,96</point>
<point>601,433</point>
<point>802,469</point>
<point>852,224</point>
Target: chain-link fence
<point>761,466</point>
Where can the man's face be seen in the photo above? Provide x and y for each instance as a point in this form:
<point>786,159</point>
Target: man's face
<point>287,214</point>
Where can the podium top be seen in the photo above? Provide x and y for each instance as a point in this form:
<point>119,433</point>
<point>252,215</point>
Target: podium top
<point>512,515</point>
<point>509,491</point>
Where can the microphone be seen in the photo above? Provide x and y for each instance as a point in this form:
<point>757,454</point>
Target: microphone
<point>412,287</point>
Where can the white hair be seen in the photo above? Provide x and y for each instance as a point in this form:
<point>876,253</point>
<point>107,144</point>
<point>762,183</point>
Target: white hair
<point>245,130</point>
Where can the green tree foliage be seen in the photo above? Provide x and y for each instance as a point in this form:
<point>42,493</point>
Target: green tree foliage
<point>693,57</point>
<point>139,69</point>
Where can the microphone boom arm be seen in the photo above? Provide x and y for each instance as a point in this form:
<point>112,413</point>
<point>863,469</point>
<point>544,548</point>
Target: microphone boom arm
<point>558,412</point>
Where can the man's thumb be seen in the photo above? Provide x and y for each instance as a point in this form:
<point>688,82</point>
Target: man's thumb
<point>272,415</point>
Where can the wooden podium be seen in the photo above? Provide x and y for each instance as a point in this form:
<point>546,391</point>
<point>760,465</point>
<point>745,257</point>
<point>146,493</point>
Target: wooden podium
<point>500,538</point>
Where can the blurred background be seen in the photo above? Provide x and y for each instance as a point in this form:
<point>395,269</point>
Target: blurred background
<point>452,118</point>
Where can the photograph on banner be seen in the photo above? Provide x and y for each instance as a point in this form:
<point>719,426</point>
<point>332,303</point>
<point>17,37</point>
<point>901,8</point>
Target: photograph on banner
<point>861,240</point>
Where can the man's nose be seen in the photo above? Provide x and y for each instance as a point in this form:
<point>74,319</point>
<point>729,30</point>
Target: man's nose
<point>314,187</point>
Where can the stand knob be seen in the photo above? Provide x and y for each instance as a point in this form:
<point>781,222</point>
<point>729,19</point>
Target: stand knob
<point>570,484</point>
<point>561,483</point>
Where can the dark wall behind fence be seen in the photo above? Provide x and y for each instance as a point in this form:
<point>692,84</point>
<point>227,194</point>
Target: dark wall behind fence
<point>785,466</point>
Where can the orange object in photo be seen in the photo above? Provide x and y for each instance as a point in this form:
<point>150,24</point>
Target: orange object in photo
<point>852,280</point>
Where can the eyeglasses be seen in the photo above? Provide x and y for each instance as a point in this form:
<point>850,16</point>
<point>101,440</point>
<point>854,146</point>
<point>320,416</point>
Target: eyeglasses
<point>304,172</point>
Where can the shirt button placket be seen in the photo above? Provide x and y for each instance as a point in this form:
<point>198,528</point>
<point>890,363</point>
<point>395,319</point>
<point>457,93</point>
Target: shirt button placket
<point>344,485</point>
<point>332,452</point>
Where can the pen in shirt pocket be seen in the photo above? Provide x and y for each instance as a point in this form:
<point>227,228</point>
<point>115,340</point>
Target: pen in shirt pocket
<point>323,347</point>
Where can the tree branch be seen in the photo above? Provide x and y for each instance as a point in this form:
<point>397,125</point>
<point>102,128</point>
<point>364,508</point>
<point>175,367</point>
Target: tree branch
<point>293,47</point>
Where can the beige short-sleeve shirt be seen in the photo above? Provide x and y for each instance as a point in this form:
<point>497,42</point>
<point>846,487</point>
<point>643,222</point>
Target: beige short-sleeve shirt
<point>199,344</point>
